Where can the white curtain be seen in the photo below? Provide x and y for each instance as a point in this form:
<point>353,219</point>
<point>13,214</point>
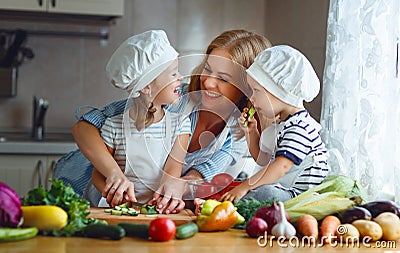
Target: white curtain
<point>361,99</point>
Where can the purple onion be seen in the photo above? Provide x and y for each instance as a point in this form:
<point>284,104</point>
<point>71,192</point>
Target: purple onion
<point>271,215</point>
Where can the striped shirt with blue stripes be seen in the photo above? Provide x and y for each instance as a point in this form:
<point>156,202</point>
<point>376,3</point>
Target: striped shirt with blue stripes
<point>113,134</point>
<point>299,140</point>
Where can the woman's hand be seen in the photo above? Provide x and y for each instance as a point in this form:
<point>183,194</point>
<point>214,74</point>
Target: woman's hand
<point>168,197</point>
<point>236,193</point>
<point>118,189</point>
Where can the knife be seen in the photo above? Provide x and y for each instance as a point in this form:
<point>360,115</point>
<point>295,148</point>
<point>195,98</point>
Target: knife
<point>12,51</point>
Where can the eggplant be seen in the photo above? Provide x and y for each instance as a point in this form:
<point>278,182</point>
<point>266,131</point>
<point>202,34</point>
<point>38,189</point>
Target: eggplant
<point>354,213</point>
<point>381,206</point>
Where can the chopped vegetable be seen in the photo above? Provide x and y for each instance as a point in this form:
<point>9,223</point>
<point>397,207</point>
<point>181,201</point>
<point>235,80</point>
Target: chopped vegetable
<point>10,207</point>
<point>328,228</point>
<point>148,209</point>
<point>250,113</point>
<point>307,225</point>
<point>283,227</point>
<point>122,209</point>
<point>66,198</point>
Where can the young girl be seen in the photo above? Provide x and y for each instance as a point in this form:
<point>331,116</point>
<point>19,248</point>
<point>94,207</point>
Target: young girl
<point>291,148</point>
<point>148,142</point>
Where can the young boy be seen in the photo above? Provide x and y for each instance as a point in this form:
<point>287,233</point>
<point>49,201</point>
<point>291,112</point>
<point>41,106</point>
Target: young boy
<point>290,148</point>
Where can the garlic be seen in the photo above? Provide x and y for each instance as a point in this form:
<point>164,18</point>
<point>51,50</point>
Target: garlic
<point>283,228</point>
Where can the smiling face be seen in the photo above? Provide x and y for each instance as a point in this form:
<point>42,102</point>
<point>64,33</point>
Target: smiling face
<point>218,82</point>
<point>166,86</point>
<point>265,103</point>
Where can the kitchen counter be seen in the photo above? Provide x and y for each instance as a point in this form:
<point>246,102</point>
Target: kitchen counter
<point>37,147</point>
<point>21,142</point>
<point>229,241</point>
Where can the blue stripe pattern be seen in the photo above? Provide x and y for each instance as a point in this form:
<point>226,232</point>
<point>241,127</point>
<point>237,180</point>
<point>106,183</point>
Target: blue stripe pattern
<point>298,140</point>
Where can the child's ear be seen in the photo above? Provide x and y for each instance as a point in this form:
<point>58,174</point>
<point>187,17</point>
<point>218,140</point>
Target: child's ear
<point>146,90</point>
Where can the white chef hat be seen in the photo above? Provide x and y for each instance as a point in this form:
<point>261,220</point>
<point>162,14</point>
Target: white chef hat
<point>287,74</point>
<point>139,60</point>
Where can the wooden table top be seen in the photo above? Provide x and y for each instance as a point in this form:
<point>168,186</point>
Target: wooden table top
<point>229,241</point>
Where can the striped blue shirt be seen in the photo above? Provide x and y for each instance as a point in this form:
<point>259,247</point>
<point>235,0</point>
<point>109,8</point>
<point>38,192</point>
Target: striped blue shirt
<point>114,137</point>
<point>298,139</point>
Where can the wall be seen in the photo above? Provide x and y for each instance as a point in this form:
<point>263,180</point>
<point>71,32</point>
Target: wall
<point>69,72</point>
<point>301,24</point>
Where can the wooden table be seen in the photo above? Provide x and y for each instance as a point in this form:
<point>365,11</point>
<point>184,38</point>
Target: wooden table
<point>220,242</point>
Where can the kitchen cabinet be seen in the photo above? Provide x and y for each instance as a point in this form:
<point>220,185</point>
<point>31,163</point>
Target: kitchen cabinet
<point>25,172</point>
<point>80,7</point>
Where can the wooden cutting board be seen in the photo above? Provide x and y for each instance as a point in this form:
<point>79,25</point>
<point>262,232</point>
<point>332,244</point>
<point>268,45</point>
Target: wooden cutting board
<point>183,217</point>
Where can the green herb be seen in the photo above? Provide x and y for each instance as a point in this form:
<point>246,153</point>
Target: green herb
<point>247,208</point>
<point>66,198</point>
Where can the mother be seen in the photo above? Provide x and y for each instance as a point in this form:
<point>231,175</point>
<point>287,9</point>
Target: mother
<point>211,124</point>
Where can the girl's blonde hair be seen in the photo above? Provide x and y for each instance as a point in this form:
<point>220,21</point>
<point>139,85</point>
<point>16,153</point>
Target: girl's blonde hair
<point>243,47</point>
<point>142,112</point>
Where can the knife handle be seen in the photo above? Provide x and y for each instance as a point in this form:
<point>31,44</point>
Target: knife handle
<point>19,38</point>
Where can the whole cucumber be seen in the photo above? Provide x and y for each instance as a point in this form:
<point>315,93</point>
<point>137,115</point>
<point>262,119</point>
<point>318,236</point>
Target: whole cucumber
<point>16,234</point>
<point>135,230</point>
<point>381,206</point>
<point>186,230</point>
<point>100,230</point>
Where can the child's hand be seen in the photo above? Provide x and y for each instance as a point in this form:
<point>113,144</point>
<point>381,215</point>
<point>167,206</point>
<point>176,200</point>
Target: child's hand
<point>251,124</point>
<point>119,189</point>
<point>235,194</point>
<point>168,197</point>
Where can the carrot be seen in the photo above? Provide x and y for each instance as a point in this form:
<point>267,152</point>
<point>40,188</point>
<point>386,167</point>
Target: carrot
<point>308,226</point>
<point>328,228</point>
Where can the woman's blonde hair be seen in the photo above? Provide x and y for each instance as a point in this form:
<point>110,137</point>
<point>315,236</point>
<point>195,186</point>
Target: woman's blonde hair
<point>243,47</point>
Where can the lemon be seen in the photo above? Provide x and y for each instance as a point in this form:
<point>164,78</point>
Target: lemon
<point>44,217</point>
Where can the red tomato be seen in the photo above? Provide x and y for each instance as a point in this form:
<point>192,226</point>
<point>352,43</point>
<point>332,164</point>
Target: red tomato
<point>222,179</point>
<point>205,190</point>
<point>162,229</point>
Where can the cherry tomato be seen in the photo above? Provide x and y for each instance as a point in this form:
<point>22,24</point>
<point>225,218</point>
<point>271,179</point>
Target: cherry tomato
<point>162,229</point>
<point>222,180</point>
<point>205,190</point>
